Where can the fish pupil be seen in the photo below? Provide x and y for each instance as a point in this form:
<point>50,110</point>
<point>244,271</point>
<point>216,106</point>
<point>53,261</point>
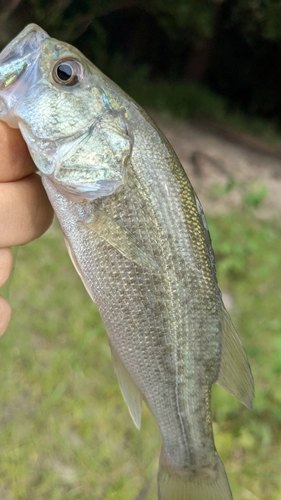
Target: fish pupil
<point>64,72</point>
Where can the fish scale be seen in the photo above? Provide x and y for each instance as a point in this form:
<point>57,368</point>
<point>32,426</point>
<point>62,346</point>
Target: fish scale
<point>138,238</point>
<point>123,290</point>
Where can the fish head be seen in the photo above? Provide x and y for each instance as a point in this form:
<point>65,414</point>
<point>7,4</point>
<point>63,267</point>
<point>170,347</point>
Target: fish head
<point>67,113</point>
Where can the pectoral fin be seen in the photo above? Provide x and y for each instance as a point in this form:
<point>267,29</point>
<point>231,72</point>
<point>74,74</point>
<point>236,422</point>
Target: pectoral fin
<point>235,373</point>
<point>130,392</point>
<point>121,239</point>
<point>77,268</point>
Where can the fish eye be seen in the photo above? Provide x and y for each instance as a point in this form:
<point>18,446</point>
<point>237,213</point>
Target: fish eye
<point>67,72</point>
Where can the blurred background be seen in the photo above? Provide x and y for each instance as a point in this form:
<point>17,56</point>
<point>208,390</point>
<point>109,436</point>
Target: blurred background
<point>208,71</point>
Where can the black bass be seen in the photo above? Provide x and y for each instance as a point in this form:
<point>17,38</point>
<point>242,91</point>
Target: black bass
<point>137,236</point>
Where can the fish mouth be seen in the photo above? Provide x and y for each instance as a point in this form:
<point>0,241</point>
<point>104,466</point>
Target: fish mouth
<point>25,45</point>
<point>18,68</point>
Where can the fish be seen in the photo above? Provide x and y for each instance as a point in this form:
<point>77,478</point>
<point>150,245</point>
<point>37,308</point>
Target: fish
<point>137,235</point>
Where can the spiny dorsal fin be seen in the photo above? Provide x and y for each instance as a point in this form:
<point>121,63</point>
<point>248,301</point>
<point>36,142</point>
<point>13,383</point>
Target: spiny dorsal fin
<point>235,373</point>
<point>130,391</point>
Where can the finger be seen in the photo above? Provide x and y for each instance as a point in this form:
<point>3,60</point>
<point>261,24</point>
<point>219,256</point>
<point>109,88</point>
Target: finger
<point>26,212</point>
<point>5,315</point>
<point>6,264</point>
<point>16,161</point>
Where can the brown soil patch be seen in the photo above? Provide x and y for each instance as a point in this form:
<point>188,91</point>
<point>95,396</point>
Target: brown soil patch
<point>213,159</point>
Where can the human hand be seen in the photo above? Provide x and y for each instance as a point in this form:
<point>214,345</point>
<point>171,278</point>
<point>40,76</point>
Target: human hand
<point>25,211</point>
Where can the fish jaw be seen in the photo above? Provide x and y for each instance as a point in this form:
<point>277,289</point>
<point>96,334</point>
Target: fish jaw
<point>19,69</point>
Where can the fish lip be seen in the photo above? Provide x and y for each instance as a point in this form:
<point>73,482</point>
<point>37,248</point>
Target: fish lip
<point>17,62</point>
<point>28,41</point>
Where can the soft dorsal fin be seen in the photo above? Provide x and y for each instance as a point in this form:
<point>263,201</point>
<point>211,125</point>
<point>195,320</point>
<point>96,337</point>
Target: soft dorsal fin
<point>130,391</point>
<point>235,373</point>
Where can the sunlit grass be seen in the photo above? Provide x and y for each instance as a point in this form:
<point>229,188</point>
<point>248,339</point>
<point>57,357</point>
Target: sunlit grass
<point>65,431</point>
<point>248,254</point>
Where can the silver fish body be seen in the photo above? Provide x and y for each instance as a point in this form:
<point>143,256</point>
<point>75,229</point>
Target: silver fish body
<point>138,238</point>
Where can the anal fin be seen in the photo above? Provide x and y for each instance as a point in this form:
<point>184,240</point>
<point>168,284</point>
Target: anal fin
<point>129,390</point>
<point>235,373</point>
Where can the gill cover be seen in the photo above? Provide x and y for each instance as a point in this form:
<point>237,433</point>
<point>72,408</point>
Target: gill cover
<point>93,165</point>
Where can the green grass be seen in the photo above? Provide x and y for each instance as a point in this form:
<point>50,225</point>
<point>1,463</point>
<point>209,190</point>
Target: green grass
<point>248,255</point>
<point>65,430</point>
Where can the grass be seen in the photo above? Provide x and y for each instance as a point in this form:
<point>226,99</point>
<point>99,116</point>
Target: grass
<point>65,430</point>
<point>249,266</point>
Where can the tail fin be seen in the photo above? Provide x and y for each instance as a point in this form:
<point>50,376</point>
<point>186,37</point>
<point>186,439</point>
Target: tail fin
<point>179,485</point>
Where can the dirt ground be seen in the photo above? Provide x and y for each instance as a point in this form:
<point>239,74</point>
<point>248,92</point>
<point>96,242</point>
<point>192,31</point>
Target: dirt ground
<point>213,162</point>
